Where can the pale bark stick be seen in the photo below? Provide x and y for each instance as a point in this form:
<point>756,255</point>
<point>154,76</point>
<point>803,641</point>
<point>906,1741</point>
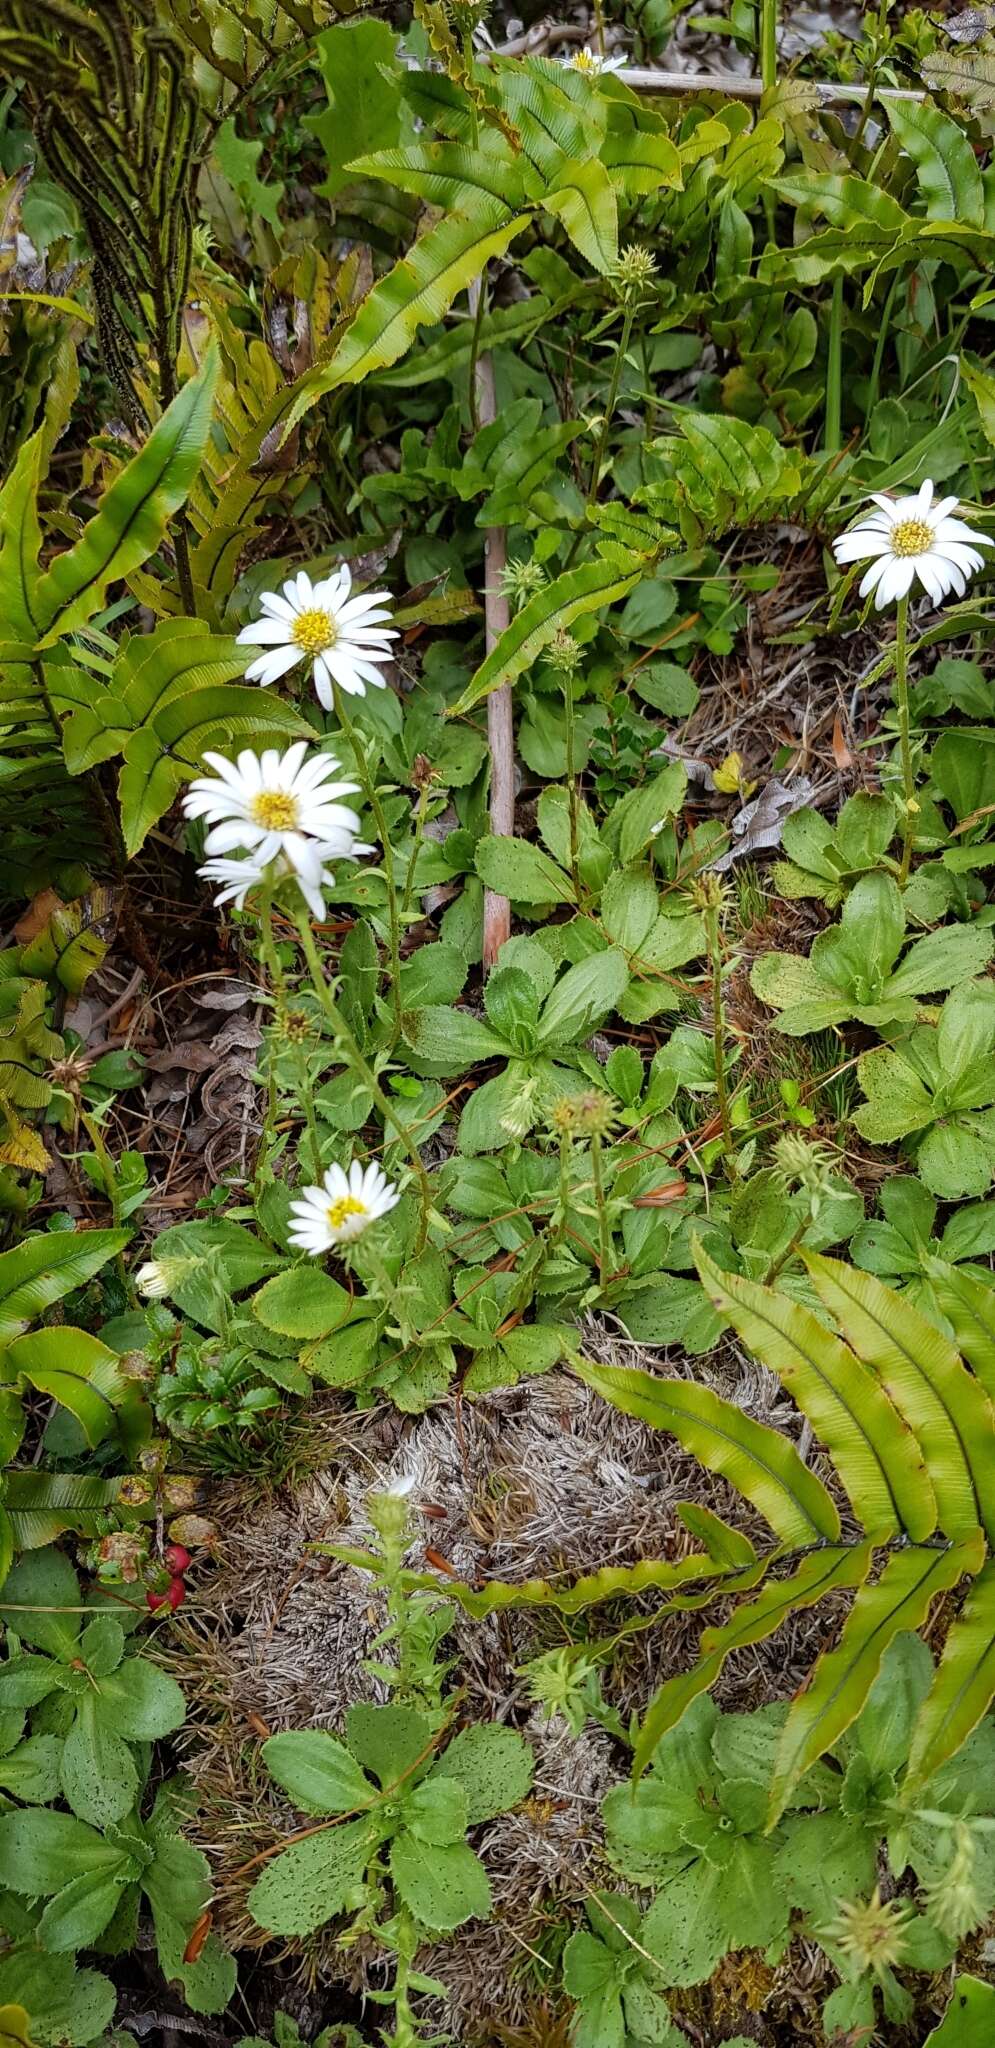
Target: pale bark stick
<point>500,727</point>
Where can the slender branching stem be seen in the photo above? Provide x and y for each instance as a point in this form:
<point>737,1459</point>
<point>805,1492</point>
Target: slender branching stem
<point>904,737</point>
<point>369,789</point>
<point>360,1067</point>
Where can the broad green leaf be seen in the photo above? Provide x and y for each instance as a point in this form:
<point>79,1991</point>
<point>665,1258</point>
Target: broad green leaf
<point>314,1879</point>
<point>302,1303</point>
<point>944,1406</point>
<point>969,2020</point>
<point>139,1701</point>
<point>821,1573</point>
<point>759,1462</point>
<point>962,1689</point>
<point>551,610</point>
<point>878,1458</point>
<point>317,1772</point>
<point>133,514</point>
<point>492,1763</point>
<point>43,1268</point>
<point>390,1741</point>
<point>98,1773</point>
<point>441,1885</point>
<point>44,1596</point>
<point>521,871</point>
<point>435,1812</point>
<point>42,1850</point>
<point>946,166</point>
<point>358,62</point>
<point>452,1037</point>
<point>78,1914</point>
<point>582,998</point>
<point>416,293</point>
<point>584,201</point>
<point>843,1677</point>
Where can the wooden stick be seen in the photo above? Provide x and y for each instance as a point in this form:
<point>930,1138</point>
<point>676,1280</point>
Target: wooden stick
<point>500,726</point>
<point>536,42</point>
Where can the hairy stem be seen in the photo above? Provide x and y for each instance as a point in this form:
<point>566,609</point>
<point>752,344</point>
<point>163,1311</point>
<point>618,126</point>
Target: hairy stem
<point>354,1059</point>
<point>369,788</point>
<point>904,737</point>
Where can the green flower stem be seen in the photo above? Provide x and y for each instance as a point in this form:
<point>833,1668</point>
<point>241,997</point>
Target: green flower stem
<point>573,795</point>
<point>904,737</point>
<point>274,968</point>
<point>421,814</point>
<point>355,1060</point>
<point>606,1259</point>
<point>369,789</point>
<point>768,44</point>
<point>712,914</point>
<point>628,317</point>
<point>113,1192</point>
<point>833,438</point>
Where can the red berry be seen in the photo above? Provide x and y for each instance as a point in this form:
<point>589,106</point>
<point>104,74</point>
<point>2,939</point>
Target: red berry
<point>176,1558</point>
<point>176,1593</point>
<point>154,1601</point>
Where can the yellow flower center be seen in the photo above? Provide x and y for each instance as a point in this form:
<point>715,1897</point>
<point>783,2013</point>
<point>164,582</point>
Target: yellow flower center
<point>911,537</point>
<point>314,631</point>
<point>585,60</point>
<point>274,810</point>
<point>347,1205</point>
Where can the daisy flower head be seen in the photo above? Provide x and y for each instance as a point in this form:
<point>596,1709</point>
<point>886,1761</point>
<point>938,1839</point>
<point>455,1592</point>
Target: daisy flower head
<point>341,1209</point>
<point>272,803</point>
<point>591,64</point>
<point>238,877</point>
<point>905,538</point>
<point>346,638</point>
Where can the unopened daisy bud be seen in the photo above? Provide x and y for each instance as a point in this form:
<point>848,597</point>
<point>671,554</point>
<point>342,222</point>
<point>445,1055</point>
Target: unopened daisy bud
<point>956,1904</point>
<point>563,652</point>
<point>159,1277</point>
<point>871,1933</point>
<point>804,1163</point>
<point>296,1027</point>
<point>594,1114</point>
<point>563,1115</point>
<point>520,579</point>
<point>387,1508</point>
<point>633,272</point>
<point>519,1116</point>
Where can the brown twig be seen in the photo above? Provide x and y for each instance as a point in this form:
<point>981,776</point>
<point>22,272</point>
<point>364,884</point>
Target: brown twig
<point>500,727</point>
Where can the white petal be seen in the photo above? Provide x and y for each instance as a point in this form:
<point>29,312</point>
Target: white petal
<point>270,667</point>
<point>861,545</point>
<point>874,574</point>
<point>265,633</point>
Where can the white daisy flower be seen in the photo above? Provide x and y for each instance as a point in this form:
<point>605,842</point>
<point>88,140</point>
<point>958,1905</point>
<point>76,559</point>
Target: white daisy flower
<point>908,537</point>
<point>238,877</point>
<point>345,637</point>
<point>341,1209</point>
<point>274,803</point>
<point>591,63</point>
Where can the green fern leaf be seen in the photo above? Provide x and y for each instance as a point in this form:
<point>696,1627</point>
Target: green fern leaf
<point>842,1679</point>
<point>962,1689</point>
<point>819,1574</point>
<point>940,1400</point>
<point>758,1461</point>
<point>875,1452</point>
